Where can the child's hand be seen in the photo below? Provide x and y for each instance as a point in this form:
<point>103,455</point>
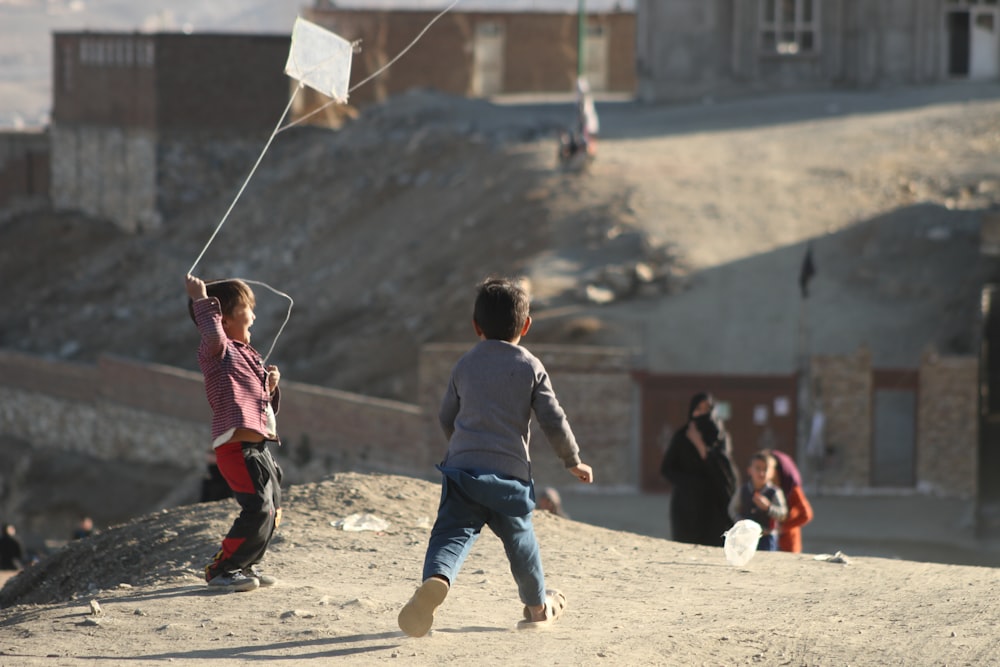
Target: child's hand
<point>761,501</point>
<point>273,376</point>
<point>583,472</point>
<point>195,287</point>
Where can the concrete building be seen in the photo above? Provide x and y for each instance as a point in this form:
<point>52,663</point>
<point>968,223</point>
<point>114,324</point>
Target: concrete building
<point>138,120</point>
<point>485,47</point>
<point>688,49</point>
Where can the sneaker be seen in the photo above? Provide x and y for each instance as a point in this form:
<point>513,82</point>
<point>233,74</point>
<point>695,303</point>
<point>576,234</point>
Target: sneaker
<point>233,581</point>
<point>254,573</point>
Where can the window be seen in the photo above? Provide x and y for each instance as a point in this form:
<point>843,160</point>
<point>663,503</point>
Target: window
<point>789,27</point>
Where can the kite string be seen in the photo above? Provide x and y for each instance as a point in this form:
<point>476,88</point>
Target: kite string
<point>378,71</point>
<point>288,315</point>
<point>277,129</point>
<point>247,181</point>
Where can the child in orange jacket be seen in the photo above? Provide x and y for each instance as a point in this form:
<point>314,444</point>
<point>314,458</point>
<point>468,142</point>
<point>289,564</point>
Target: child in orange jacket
<point>800,512</point>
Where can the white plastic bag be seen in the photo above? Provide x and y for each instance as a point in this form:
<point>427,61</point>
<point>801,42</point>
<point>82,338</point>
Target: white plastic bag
<point>356,523</point>
<point>741,542</point>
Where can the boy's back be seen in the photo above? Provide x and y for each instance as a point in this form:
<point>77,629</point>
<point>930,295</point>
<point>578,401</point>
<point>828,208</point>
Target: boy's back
<point>487,407</point>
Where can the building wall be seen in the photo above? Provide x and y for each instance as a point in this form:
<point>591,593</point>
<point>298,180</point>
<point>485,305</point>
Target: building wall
<point>692,48</point>
<point>24,171</point>
<point>842,389</point>
<point>142,123</point>
<point>106,172</point>
<point>539,55</point>
<point>947,429</point>
<point>948,425</point>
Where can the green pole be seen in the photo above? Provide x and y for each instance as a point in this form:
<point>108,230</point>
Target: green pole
<point>581,36</point>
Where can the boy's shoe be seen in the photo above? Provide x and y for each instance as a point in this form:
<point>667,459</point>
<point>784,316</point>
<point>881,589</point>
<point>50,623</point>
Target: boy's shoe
<point>233,581</point>
<point>264,579</point>
<point>417,615</point>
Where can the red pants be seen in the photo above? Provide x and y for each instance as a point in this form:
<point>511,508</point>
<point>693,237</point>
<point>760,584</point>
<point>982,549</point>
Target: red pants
<point>255,479</point>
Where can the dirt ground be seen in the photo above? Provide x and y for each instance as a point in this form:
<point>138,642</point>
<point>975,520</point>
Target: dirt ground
<point>632,599</point>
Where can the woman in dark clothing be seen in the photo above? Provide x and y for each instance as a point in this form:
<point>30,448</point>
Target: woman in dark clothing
<point>698,463</point>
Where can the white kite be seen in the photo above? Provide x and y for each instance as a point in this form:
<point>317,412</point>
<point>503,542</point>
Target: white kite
<point>320,59</point>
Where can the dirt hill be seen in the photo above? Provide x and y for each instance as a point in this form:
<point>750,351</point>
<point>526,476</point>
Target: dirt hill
<point>133,595</point>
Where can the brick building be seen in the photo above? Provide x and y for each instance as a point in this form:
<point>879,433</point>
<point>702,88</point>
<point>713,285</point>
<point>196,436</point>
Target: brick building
<point>485,47</point>
<point>138,119</point>
<point>690,48</point>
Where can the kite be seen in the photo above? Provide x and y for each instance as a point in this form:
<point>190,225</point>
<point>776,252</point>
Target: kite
<point>320,59</point>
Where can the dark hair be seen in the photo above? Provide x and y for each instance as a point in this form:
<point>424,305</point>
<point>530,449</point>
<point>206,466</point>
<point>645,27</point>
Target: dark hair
<point>501,309</point>
<point>697,399</point>
<point>230,294</point>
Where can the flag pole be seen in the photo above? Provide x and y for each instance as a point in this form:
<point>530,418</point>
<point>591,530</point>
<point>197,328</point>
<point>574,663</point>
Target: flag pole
<point>581,36</point>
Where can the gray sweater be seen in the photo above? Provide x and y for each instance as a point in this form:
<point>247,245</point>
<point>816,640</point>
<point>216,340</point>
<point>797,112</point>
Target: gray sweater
<point>486,411</point>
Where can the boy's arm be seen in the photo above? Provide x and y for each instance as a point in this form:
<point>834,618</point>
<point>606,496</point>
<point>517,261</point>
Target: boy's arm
<point>553,422</point>
<point>213,337</point>
<point>449,409</point>
<point>273,377</point>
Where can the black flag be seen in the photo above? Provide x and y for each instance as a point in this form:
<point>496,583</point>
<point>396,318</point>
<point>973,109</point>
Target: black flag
<point>807,272</point>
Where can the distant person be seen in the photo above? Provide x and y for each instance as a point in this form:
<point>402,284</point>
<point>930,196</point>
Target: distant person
<point>550,501</point>
<point>84,529</point>
<point>244,397</point>
<point>486,471</point>
<point>761,501</point>
<point>698,464</point>
<point>11,551</point>
<point>800,512</point>
<point>588,124</point>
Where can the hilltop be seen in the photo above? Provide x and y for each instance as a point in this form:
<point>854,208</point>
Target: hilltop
<point>632,599</point>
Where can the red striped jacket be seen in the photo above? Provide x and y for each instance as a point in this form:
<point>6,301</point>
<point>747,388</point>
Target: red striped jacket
<point>235,377</point>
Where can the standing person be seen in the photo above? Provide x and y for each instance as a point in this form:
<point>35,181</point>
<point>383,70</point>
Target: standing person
<point>551,501</point>
<point>244,398</point>
<point>761,501</point>
<point>588,124</point>
<point>486,471</point>
<point>698,463</point>
<point>11,551</point>
<point>800,512</point>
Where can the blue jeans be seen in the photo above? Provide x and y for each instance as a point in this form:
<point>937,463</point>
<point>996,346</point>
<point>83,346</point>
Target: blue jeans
<point>767,543</point>
<point>468,502</point>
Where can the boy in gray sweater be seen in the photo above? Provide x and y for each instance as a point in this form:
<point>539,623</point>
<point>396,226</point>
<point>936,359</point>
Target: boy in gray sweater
<point>486,472</point>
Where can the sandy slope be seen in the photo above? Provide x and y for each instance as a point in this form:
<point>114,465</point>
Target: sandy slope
<point>633,600</point>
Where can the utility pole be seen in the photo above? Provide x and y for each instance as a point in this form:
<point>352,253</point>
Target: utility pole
<point>581,36</point>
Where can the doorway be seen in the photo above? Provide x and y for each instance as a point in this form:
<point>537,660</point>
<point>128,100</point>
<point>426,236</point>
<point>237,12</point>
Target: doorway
<point>974,43</point>
<point>487,66</point>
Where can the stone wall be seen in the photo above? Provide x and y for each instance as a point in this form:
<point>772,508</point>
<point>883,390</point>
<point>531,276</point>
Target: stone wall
<point>842,389</point>
<point>594,386</point>
<point>948,425</point>
<point>947,428</point>
<point>128,410</point>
